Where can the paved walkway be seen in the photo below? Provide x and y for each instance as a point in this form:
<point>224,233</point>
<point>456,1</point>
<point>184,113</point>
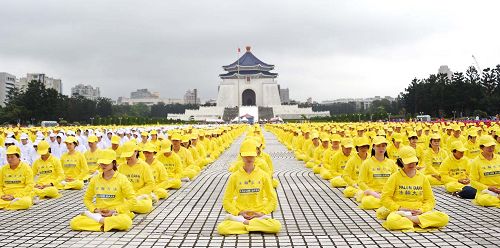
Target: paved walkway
<point>311,213</point>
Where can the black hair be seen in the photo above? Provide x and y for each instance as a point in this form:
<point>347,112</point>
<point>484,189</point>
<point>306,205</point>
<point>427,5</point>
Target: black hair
<point>115,166</point>
<point>430,141</point>
<point>399,162</point>
<point>373,152</point>
<point>137,154</point>
<point>357,147</point>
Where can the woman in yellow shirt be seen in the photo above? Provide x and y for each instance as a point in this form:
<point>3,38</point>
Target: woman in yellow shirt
<point>48,171</point>
<point>140,175</point>
<point>339,162</point>
<point>454,170</point>
<point>472,146</point>
<point>351,171</point>
<point>159,173</point>
<point>247,191</point>
<point>74,166</point>
<point>112,192</point>
<point>485,174</point>
<point>408,195</point>
<point>92,155</point>
<point>172,163</point>
<point>16,182</point>
<point>432,159</point>
<point>189,170</point>
<point>373,174</point>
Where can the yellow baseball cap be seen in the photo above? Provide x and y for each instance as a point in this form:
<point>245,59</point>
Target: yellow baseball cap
<point>486,140</point>
<point>363,141</point>
<point>92,139</point>
<point>115,140</point>
<point>128,149</point>
<point>13,150</point>
<point>176,136</point>
<point>248,148</point>
<point>166,146</point>
<point>347,143</point>
<point>408,155</point>
<point>106,156</point>
<point>149,148</point>
<point>43,147</point>
<point>70,139</point>
<point>379,140</point>
<point>458,145</point>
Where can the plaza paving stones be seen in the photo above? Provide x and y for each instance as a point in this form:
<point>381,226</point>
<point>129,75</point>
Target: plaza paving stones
<point>311,212</point>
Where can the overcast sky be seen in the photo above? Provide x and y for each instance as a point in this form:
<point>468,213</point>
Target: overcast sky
<point>321,49</point>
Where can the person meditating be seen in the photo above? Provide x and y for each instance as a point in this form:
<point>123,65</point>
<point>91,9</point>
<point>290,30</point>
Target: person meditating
<point>248,190</point>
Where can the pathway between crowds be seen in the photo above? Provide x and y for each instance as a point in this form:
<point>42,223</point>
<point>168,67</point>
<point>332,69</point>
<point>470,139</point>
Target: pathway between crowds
<point>311,212</point>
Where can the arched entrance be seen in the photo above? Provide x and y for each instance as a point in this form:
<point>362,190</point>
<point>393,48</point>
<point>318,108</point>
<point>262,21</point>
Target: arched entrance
<point>248,98</point>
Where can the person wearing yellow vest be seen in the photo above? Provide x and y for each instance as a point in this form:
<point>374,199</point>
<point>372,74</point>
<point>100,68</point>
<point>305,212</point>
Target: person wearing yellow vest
<point>432,159</point>
<point>48,172</point>
<point>454,170</point>
<point>16,182</point>
<point>91,155</point>
<point>74,166</point>
<point>339,162</point>
<point>172,163</point>
<point>353,165</point>
<point>112,192</point>
<point>373,174</point>
<point>247,191</point>
<point>485,174</point>
<point>159,173</point>
<point>408,196</point>
<point>139,174</point>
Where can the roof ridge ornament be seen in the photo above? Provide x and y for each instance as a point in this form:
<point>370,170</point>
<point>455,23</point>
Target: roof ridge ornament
<point>248,48</point>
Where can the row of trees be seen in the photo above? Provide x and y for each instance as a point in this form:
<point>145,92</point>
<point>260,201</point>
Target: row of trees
<point>37,103</point>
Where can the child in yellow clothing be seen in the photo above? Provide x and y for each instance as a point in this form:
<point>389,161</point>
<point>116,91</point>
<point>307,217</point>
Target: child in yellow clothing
<point>408,196</point>
<point>113,193</point>
<point>16,182</point>
<point>48,172</point>
<point>247,198</point>
<point>140,175</point>
<point>74,166</point>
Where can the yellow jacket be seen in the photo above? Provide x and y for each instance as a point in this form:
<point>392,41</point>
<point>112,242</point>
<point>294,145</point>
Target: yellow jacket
<point>49,171</point>
<point>338,163</point>
<point>393,151</point>
<point>351,170</point>
<point>412,193</point>
<point>18,182</point>
<point>186,157</point>
<point>109,194</point>
<point>453,169</point>
<point>373,173</point>
<point>472,150</point>
<point>172,164</point>
<point>159,174</point>
<point>140,175</point>
<point>268,160</point>
<point>91,158</point>
<point>249,192</point>
<point>74,165</point>
<point>433,160</point>
<point>485,173</point>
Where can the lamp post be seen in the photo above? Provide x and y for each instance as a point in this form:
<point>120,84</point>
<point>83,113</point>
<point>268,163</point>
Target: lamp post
<point>389,116</point>
<point>120,118</point>
<point>359,117</point>
<point>91,121</point>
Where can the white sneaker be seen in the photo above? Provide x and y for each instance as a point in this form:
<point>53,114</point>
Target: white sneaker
<point>36,200</point>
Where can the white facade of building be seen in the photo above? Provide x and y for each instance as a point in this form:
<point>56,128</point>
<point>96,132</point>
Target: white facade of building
<point>148,101</point>
<point>86,91</point>
<point>265,89</point>
<point>50,83</point>
<point>7,82</point>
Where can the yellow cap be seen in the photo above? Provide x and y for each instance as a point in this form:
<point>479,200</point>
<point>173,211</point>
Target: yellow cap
<point>324,137</point>
<point>347,143</point>
<point>153,132</point>
<point>70,139</point>
<point>144,133</point>
<point>92,139</point>
<point>13,150</point>
<point>115,140</point>
<point>335,137</point>
<point>379,140</point>
<point>128,149</point>
<point>176,136</point>
<point>397,137</point>
<point>165,146</point>
<point>458,145</point>
<point>149,148</point>
<point>248,148</point>
<point>408,155</point>
<point>43,147</point>
<point>486,140</point>
<point>106,156</point>
<point>314,135</point>
<point>435,136</point>
<point>363,141</point>
<point>185,138</point>
<point>412,134</point>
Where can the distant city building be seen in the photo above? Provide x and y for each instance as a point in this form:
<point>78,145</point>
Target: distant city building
<point>309,100</point>
<point>285,95</point>
<point>191,97</point>
<point>50,83</point>
<point>86,91</point>
<point>361,103</point>
<point>444,69</point>
<point>7,82</point>
<point>211,101</point>
<point>144,93</point>
<point>144,96</point>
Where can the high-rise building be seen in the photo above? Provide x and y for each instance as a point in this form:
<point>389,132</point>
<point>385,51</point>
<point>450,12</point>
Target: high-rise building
<point>144,93</point>
<point>86,91</point>
<point>444,69</point>
<point>7,82</point>
<point>191,97</point>
<point>50,83</point>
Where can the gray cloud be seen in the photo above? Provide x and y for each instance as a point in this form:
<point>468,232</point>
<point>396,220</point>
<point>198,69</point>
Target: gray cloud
<point>329,46</point>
